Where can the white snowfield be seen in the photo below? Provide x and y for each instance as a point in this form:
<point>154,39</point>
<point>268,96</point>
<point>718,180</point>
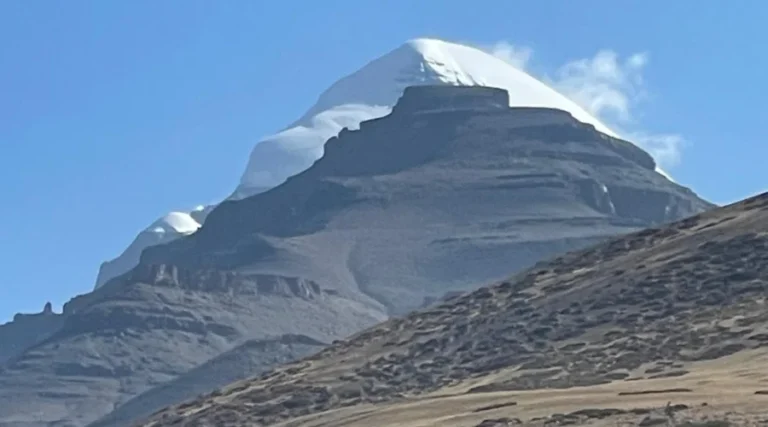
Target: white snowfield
<point>371,92</point>
<point>363,95</point>
<point>176,222</point>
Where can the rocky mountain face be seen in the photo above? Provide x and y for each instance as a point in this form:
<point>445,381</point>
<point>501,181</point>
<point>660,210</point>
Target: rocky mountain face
<point>666,326</point>
<point>367,93</point>
<point>451,190</point>
<point>457,187</point>
<point>164,230</point>
<point>27,330</point>
<point>154,325</point>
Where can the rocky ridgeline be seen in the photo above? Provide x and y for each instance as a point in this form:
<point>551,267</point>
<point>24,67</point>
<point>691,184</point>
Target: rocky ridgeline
<point>224,281</point>
<point>27,330</point>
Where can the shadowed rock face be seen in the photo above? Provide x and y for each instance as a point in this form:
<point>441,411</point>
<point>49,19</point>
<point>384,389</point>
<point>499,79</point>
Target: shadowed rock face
<point>250,358</point>
<point>27,330</point>
<point>130,257</point>
<point>419,99</point>
<point>454,189</point>
<point>449,191</point>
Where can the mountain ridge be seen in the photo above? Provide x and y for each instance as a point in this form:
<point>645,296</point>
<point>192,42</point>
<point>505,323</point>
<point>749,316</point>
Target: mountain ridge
<point>408,207</point>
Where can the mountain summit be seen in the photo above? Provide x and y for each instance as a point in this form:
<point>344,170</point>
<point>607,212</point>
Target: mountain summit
<point>371,92</point>
<point>368,93</point>
<point>451,189</point>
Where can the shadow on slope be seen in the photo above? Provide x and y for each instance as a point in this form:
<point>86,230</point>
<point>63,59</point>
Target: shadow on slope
<point>244,361</point>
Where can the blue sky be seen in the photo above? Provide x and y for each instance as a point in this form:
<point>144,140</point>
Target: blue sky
<point>114,113</point>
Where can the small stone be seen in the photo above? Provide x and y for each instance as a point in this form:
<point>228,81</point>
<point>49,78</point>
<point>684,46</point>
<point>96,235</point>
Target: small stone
<point>652,421</point>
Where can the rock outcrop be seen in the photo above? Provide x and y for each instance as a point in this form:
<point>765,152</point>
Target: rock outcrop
<point>27,330</point>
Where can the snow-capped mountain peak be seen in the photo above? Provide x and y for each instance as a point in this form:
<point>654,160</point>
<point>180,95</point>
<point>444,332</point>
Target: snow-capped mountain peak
<point>365,94</point>
<point>371,92</point>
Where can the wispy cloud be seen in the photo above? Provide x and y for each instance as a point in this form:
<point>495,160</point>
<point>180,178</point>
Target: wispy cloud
<point>604,84</point>
<point>666,148</point>
<point>514,55</point>
<point>609,87</point>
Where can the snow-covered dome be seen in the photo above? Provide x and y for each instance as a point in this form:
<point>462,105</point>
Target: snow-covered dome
<point>175,222</point>
<point>372,91</point>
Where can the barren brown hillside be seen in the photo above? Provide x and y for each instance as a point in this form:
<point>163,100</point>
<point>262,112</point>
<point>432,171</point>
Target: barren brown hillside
<point>667,316</point>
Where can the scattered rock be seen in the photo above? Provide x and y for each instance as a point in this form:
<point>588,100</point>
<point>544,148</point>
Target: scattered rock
<point>669,390</point>
<point>598,413</point>
<point>706,423</point>
<point>670,374</point>
<point>500,422</point>
<point>652,421</point>
<point>496,406</point>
